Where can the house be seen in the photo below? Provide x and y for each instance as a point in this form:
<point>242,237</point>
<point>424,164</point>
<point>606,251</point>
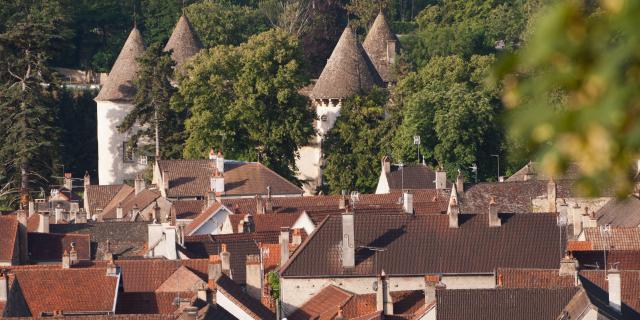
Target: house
<point>399,177</point>
<point>9,241</point>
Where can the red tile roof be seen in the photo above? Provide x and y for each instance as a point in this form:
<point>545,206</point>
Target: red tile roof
<point>202,218</point>
<point>148,275</point>
<point>614,239</point>
<point>575,245</point>
<point>265,222</point>
<point>68,290</point>
<point>534,278</point>
<point>51,246</point>
<point>141,200</point>
<point>188,209</point>
<point>150,302</point>
<point>596,285</point>
<point>118,199</point>
<point>99,196</point>
<point>182,280</point>
<point>235,293</point>
<point>626,260</point>
<point>411,176</point>
<point>8,236</point>
<point>425,244</point>
<point>190,178</point>
<point>324,305</point>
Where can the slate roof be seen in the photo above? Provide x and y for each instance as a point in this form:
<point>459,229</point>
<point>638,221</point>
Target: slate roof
<point>614,239</point>
<point>126,238</point>
<point>417,245</point>
<point>532,169</point>
<point>188,209</point>
<point>498,304</point>
<point>375,45</point>
<point>183,41</point>
<point>323,305</point>
<point>595,284</point>
<point>412,176</point>
<point>51,246</point>
<point>190,178</point>
<point>8,236</point>
<point>119,84</point>
<point>48,290</point>
<point>235,293</point>
<point>620,213</point>
<point>534,278</point>
<point>99,196</point>
<point>347,72</point>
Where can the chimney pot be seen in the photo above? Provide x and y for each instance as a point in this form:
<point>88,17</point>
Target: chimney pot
<point>342,204</point>
<point>284,245</point>
<point>494,219</point>
<point>112,269</point>
<point>220,162</point>
<point>68,182</point>
<point>615,289</point>
<point>297,237</point>
<point>268,204</point>
<point>386,165</point>
<point>66,260</point>
<point>259,205</point>
<point>453,210</point>
<point>407,202</point>
<point>460,182</point>
<point>87,179</point>
<point>430,284</point>
<point>225,258</point>
<point>568,266</point>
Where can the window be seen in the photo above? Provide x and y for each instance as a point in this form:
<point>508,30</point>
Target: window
<point>143,160</point>
<point>323,117</point>
<point>127,152</point>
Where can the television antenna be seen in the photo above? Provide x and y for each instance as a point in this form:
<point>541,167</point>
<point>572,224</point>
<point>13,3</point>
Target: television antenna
<point>416,142</point>
<point>474,169</point>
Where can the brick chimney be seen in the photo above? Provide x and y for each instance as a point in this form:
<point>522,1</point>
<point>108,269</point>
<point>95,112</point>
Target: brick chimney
<point>344,202</point>
<point>4,286</point>
<point>441,179</point>
<point>568,266</point>
<point>460,182</point>
<point>348,240</point>
<point>431,282</point>
<point>551,195</point>
<point>23,236</point>
<point>268,204</point>
<point>220,162</point>
<point>284,245</point>
<point>254,276</point>
<point>259,205</point>
<point>615,289</point>
<point>386,164</point>
<point>66,260</point>
<point>453,210</point>
<point>225,259</point>
<point>68,182</point>
<point>43,222</point>
<point>494,219</point>
<point>407,202</point>
<point>214,270</point>
<point>384,302</point>
<point>138,185</point>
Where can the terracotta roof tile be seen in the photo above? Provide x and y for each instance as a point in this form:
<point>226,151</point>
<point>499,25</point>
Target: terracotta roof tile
<point>265,222</point>
<point>411,176</point>
<point>8,236</point>
<point>574,245</point>
<point>141,200</point>
<point>51,246</point>
<point>614,239</point>
<point>533,171</point>
<point>234,292</point>
<point>424,244</point>
<point>594,282</point>
<point>188,209</point>
<point>202,218</point>
<point>123,194</point>
<point>323,305</point>
<point>182,280</point>
<point>150,302</point>
<point>534,278</point>
<point>625,259</point>
<point>67,290</point>
<point>99,196</point>
<point>147,275</point>
<point>119,84</point>
<point>190,178</point>
<point>126,238</point>
<point>505,304</point>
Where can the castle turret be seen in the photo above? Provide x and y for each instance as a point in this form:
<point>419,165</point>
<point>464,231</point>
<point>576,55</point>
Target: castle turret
<point>382,46</point>
<point>183,41</point>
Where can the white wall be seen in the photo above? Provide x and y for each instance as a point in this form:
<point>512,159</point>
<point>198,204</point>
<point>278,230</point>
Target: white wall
<point>213,224</point>
<point>227,304</point>
<point>111,168</point>
<point>383,183</point>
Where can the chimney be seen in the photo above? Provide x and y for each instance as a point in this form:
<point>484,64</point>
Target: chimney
<point>225,258</point>
<point>58,213</point>
<point>165,180</point>
<point>494,219</point>
<point>386,165</point>
<point>529,174</point>
<point>615,289</point>
<point>211,198</point>
<point>68,182</point>
<point>430,284</point>
<point>407,202</point>
<point>23,239</point>
<point>254,276</point>
<point>86,180</point>
<point>119,211</point>
<point>297,237</point>
<point>384,302</point>
<point>216,182</point>
<point>441,179</point>
<point>343,200</point>
<point>284,245</point>
<point>43,223</point>
<point>189,313</point>
<point>66,260</point>
<point>4,286</point>
<point>577,220</point>
<point>214,270</point>
<point>460,182</point>
<point>212,154</point>
<point>268,204</point>
<point>112,269</point>
<point>259,205</point>
<point>453,210</point>
<point>220,162</point>
<point>138,184</point>
<point>241,228</point>
<point>568,266</point>
<point>73,254</point>
<point>348,240</point>
<point>32,208</point>
<point>155,212</point>
<point>551,195</point>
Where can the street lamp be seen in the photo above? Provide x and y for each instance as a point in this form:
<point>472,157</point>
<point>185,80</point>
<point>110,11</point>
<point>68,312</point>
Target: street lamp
<point>497,157</point>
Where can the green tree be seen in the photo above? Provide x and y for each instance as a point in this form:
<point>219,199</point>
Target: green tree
<point>573,92</point>
<point>78,140</point>
<point>27,129</point>
<point>151,118</point>
<point>220,23</point>
<point>365,11</point>
<point>457,118</point>
<point>353,147</point>
<point>245,100</point>
<point>158,17</point>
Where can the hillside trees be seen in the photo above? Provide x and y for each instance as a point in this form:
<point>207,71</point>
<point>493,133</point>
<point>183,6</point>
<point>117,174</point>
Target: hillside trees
<point>244,100</point>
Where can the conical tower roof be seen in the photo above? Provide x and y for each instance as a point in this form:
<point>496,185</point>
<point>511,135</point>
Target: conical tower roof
<point>119,84</point>
<point>183,41</point>
<point>347,71</point>
<point>376,45</point>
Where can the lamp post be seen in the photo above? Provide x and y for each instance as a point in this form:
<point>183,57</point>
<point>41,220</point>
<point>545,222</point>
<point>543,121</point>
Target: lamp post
<point>497,157</point>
